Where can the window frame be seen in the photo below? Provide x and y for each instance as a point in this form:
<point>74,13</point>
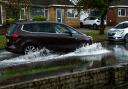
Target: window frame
<point>120,12</point>
<point>74,16</point>
<point>22,14</point>
<point>44,12</point>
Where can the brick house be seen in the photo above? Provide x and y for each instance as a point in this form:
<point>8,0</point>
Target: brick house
<point>118,12</point>
<point>62,11</point>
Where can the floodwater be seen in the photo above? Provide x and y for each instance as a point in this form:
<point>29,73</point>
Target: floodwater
<point>108,53</point>
<point>84,58</point>
<point>91,53</point>
<point>105,54</point>
<point>119,50</point>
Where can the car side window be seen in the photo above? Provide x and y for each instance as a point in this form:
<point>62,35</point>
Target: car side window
<point>88,18</point>
<point>38,27</point>
<point>43,27</point>
<point>29,27</point>
<point>125,25</point>
<point>119,26</point>
<point>60,29</point>
<point>73,31</point>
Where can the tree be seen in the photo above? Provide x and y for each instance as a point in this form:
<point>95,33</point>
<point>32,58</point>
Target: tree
<point>13,7</point>
<point>101,5</point>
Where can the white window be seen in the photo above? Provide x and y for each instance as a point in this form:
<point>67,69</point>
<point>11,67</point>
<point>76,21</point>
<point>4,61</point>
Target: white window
<point>35,11</point>
<point>121,12</point>
<point>72,13</point>
<point>22,14</point>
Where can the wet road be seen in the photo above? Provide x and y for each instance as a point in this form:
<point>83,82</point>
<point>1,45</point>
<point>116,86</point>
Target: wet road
<point>118,50</point>
<point>7,55</point>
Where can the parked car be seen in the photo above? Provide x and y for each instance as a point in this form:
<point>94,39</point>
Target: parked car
<point>27,37</point>
<point>119,32</point>
<point>91,22</point>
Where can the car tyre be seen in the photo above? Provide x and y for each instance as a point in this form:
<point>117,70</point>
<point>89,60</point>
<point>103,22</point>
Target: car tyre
<point>95,26</point>
<point>30,49</point>
<point>126,38</point>
<point>81,24</point>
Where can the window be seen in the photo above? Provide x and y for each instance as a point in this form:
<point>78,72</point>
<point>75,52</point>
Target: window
<point>36,11</point>
<point>29,27</point>
<point>65,29</point>
<point>125,25</point>
<point>60,29</point>
<point>43,27</point>
<point>72,13</point>
<point>121,26</point>
<point>22,14</point>
<point>38,27</point>
<point>121,12</point>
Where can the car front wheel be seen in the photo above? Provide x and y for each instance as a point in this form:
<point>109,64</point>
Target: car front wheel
<point>81,24</point>
<point>95,26</point>
<point>126,38</point>
<point>30,49</point>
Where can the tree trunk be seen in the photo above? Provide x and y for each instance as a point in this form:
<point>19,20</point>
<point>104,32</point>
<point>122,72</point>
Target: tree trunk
<point>102,25</point>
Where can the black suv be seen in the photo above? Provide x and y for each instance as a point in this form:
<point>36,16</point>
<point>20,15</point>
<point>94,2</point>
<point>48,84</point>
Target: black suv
<point>26,37</point>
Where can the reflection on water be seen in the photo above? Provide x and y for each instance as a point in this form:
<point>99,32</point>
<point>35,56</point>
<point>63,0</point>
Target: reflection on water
<point>120,50</point>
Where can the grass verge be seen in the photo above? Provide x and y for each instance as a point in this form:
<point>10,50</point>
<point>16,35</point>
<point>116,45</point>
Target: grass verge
<point>96,36</point>
<point>2,41</point>
<point>48,68</point>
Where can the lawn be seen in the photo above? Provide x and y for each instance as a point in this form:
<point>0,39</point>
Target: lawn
<point>26,70</point>
<point>96,36</point>
<point>2,41</point>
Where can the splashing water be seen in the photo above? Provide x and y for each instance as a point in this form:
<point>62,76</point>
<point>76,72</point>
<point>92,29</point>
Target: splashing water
<point>45,55</point>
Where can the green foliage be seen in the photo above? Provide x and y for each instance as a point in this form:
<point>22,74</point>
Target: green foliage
<point>54,66</point>
<point>2,41</point>
<point>96,37</point>
<point>10,21</point>
<point>39,18</point>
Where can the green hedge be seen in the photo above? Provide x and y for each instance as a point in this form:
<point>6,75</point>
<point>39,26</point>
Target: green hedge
<point>39,18</point>
<point>10,21</point>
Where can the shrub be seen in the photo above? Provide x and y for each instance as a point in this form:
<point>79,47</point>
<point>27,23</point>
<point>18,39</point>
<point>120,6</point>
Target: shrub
<point>39,18</point>
<point>10,21</point>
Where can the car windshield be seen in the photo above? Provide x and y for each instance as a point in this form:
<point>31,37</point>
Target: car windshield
<point>121,26</point>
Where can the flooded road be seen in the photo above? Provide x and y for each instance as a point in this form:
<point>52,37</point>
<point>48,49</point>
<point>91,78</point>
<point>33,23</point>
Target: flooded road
<point>88,53</point>
<point>106,54</point>
<point>43,62</point>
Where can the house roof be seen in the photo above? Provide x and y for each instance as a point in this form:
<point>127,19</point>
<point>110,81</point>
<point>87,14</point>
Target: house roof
<point>120,2</point>
<point>50,2</point>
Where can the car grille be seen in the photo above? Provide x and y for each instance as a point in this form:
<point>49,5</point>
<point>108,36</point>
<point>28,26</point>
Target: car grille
<point>111,34</point>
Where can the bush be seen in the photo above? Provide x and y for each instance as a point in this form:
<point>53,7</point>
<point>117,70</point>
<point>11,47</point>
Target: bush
<point>39,18</point>
<point>10,21</point>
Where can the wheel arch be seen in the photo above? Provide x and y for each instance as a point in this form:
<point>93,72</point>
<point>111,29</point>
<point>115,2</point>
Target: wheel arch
<point>27,44</point>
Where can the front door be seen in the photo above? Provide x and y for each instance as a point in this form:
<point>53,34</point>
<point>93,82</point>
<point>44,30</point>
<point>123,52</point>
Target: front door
<point>59,15</point>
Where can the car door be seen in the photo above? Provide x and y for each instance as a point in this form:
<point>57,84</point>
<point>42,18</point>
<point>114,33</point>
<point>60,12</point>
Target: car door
<point>86,21</point>
<point>40,34</point>
<point>80,39</point>
<point>47,37</point>
<point>65,40</point>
